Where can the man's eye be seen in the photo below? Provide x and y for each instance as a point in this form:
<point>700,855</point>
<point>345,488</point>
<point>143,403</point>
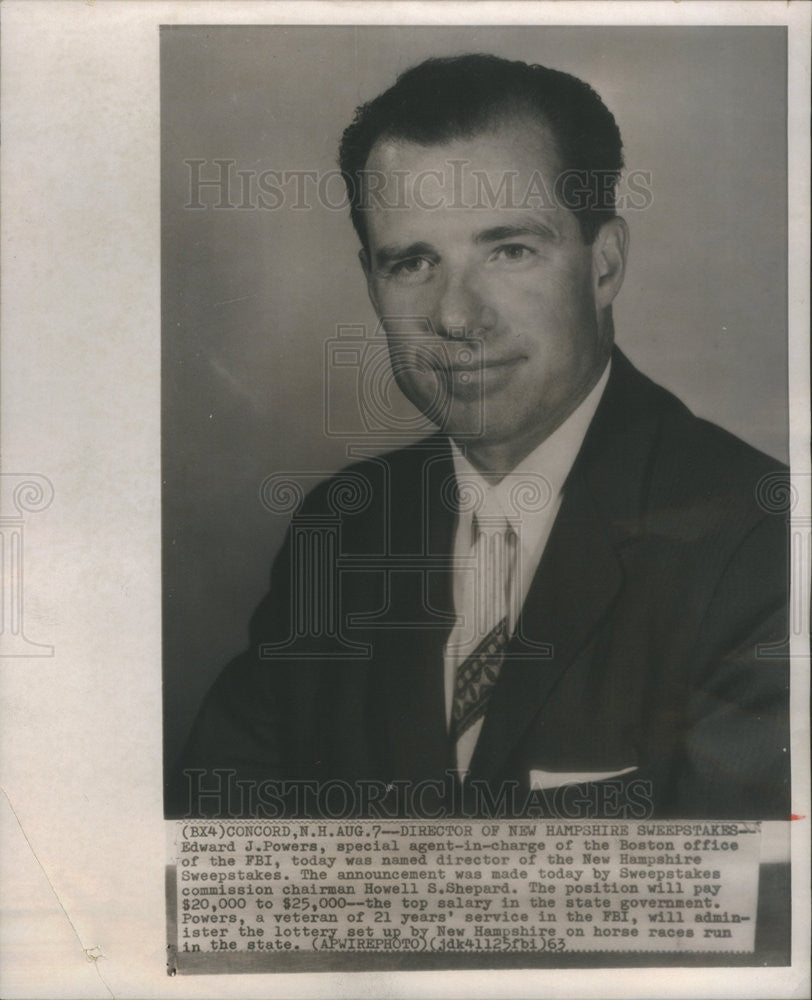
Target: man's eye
<point>411,267</point>
<point>513,252</point>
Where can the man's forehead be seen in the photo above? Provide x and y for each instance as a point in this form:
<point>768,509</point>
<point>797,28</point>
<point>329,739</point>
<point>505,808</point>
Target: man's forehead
<point>515,142</point>
<point>472,182</point>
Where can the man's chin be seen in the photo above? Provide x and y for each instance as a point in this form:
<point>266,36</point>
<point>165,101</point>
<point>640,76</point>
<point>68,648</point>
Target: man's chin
<point>468,429</point>
<point>454,413</point>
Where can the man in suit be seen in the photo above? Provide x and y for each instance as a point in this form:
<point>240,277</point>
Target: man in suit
<point>569,601</point>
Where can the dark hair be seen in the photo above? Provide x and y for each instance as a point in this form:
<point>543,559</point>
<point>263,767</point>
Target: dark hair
<point>456,97</point>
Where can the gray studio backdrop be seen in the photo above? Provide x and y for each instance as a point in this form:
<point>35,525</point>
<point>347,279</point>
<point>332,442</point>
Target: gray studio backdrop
<point>251,295</point>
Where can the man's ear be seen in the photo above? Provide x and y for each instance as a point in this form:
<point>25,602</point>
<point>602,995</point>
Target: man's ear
<point>609,260</point>
<point>363,256</point>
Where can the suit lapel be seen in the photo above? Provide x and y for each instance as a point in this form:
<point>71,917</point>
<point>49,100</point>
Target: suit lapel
<point>409,702</point>
<point>580,573</point>
<point>574,588</point>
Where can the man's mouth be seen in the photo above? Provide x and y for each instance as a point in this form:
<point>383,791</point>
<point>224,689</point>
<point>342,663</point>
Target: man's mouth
<point>463,366</point>
<point>485,364</point>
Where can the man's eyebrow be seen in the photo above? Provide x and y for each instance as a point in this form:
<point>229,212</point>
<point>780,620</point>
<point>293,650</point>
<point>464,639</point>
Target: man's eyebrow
<point>390,252</point>
<point>530,228</point>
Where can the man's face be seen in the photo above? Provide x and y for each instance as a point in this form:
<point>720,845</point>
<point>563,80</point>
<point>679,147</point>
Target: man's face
<point>490,306</point>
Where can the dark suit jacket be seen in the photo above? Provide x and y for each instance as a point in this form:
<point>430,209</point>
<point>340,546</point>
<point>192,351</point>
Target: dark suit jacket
<point>651,638</point>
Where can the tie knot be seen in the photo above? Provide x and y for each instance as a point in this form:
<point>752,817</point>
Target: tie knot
<point>491,524</point>
<point>490,519</point>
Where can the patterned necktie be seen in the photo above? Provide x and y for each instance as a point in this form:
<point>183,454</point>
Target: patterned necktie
<point>475,679</point>
<point>477,674</point>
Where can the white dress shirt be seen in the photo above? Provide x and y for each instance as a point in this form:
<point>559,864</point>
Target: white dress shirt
<point>526,500</point>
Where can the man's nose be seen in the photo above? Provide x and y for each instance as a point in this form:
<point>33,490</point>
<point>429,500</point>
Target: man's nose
<point>461,312</point>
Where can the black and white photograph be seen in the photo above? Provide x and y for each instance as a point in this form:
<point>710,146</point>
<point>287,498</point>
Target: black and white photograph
<point>405,534</point>
<point>557,583</point>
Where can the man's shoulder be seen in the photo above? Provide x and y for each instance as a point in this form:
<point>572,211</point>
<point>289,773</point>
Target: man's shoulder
<point>397,474</point>
<point>695,463</point>
<point>650,462</point>
<point>698,451</point>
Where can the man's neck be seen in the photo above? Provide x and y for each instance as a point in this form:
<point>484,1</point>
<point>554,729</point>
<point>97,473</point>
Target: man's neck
<point>493,460</point>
